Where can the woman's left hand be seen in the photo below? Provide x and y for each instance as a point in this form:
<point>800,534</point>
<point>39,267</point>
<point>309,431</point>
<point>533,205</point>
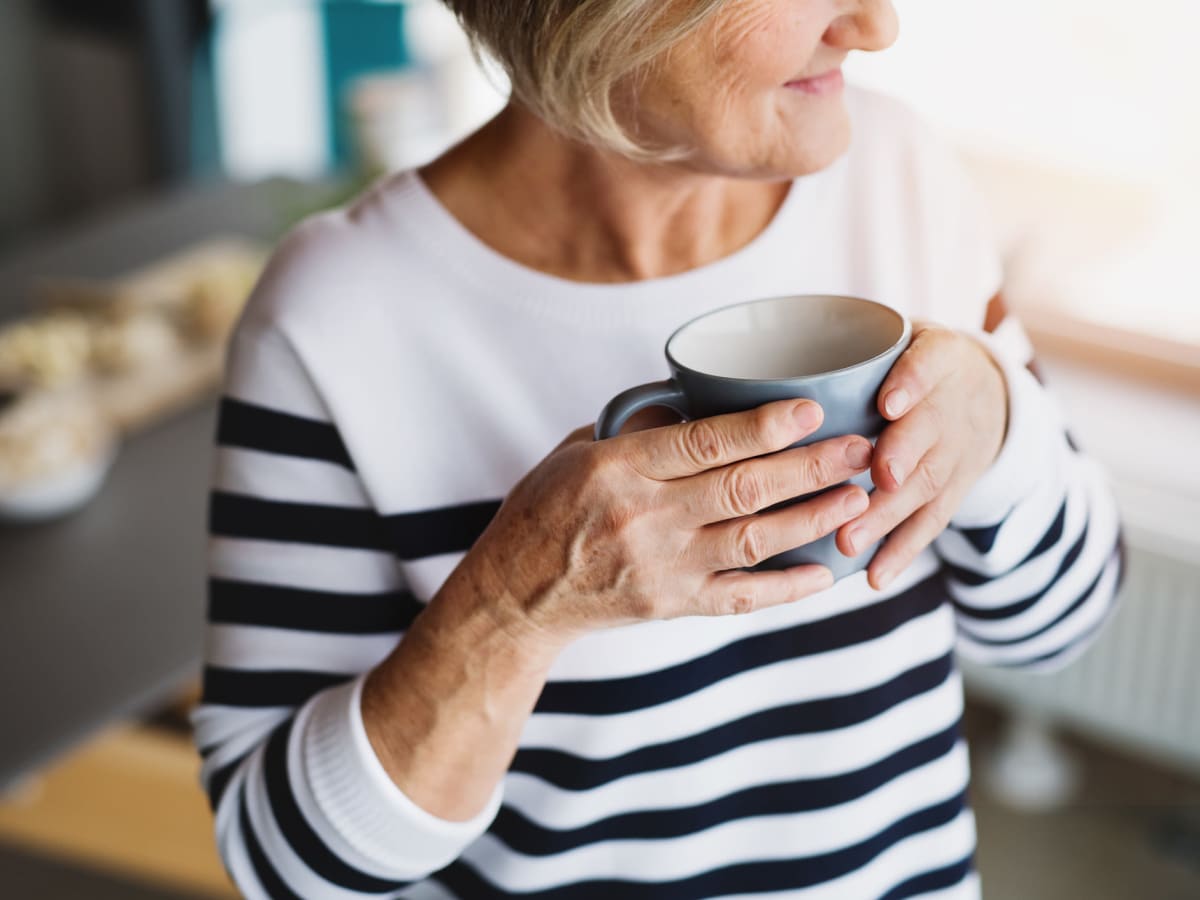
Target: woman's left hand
<point>947,404</point>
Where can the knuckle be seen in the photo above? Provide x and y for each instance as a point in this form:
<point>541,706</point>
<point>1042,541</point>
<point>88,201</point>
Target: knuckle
<point>767,428</point>
<point>741,491</point>
<point>750,543</point>
<point>931,476</point>
<point>616,520</point>
<point>937,514</point>
<point>594,465</point>
<point>701,444</point>
<point>817,469</point>
<point>740,603</point>
<point>643,606</point>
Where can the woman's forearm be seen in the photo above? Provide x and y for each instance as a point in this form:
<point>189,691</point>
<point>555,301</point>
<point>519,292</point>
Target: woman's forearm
<point>445,709</point>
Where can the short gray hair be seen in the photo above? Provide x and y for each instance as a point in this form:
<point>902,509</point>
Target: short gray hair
<point>565,58</point>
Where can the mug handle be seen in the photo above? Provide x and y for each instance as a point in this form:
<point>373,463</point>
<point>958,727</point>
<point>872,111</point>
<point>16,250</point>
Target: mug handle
<point>658,393</point>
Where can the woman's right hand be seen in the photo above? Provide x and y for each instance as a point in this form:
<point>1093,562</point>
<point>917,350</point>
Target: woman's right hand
<point>659,523</point>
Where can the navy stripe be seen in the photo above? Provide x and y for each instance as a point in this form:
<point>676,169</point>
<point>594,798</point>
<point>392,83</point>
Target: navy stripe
<point>241,424</point>
<point>742,878</point>
<point>621,695</point>
<point>248,603</point>
<point>1008,642</point>
<point>270,687</point>
<point>1015,609</point>
<point>982,539</point>
<point>451,529</point>
<point>238,516</point>
<point>299,834</point>
<point>219,780</point>
<point>1052,536</point>
<point>267,876</point>
<point>575,773</point>
<point>447,529</point>
<point>781,798</point>
<point>937,880</point>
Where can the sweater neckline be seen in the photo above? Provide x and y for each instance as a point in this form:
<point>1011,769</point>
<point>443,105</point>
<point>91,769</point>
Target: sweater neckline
<point>417,211</point>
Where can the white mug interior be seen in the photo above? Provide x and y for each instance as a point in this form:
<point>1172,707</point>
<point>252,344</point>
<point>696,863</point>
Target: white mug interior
<point>786,337</point>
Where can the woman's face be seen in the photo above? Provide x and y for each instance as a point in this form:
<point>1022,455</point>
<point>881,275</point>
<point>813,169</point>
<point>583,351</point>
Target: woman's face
<point>742,91</point>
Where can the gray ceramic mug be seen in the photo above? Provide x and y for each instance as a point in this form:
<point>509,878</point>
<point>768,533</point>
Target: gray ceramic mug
<point>831,349</point>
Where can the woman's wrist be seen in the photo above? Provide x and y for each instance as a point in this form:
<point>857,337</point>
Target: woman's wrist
<point>478,593</point>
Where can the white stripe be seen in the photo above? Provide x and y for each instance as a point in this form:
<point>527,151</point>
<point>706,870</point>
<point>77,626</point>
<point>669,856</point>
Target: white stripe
<point>307,566</point>
<point>258,648</point>
<point>287,479</point>
<point>263,369</point>
<point>761,838</point>
<point>916,855</point>
<point>290,867</point>
<point>215,723</point>
<point>1036,574</point>
<point>801,756</point>
<point>1058,637</point>
<point>1101,537</point>
<point>844,670</point>
<point>231,843</point>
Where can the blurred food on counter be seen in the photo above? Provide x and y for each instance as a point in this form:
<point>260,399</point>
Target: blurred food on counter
<point>99,359</point>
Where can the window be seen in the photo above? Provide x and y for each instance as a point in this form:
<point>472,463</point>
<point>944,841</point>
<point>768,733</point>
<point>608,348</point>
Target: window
<point>1080,120</point>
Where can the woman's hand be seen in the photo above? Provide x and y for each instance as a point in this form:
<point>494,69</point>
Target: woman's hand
<point>948,405</point>
<point>655,524</point>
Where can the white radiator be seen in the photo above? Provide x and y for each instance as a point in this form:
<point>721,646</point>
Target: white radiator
<point>1139,684</point>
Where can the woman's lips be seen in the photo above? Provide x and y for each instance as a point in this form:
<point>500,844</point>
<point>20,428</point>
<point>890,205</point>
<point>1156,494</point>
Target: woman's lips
<point>829,83</point>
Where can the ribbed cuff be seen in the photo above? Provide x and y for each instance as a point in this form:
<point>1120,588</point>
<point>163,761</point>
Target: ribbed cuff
<point>364,805</point>
<point>1028,449</point>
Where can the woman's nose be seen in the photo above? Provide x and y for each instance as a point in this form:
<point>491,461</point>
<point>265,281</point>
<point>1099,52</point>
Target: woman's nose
<point>864,25</point>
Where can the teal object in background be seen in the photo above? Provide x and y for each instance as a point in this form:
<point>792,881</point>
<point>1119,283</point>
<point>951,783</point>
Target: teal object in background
<point>359,37</point>
<point>204,142</point>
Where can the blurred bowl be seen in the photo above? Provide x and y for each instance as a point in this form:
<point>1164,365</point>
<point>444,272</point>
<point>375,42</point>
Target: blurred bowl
<point>54,495</point>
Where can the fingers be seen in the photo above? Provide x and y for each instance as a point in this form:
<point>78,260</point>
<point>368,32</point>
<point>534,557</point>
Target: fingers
<point>728,593</point>
<point>678,451</point>
<point>925,363</point>
<point>906,542</point>
<point>889,508</point>
<point>746,487</point>
<point>745,542</point>
<point>903,445</point>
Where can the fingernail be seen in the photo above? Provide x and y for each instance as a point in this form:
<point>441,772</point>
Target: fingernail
<point>896,402</point>
<point>858,454</point>
<point>855,539</point>
<point>808,415</point>
<point>897,471</point>
<point>883,578</point>
<point>856,503</point>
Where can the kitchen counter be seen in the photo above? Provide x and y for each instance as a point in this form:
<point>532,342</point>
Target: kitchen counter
<point>101,611</point>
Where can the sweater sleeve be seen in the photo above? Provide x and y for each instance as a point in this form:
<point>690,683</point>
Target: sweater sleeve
<point>304,597</point>
<point>1033,557</point>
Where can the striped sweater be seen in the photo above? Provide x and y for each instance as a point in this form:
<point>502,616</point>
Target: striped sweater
<point>392,378</point>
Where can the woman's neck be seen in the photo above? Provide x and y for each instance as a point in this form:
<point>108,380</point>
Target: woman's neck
<point>588,215</point>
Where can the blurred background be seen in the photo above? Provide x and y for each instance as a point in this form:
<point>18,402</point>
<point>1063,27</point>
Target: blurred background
<point>151,152</point>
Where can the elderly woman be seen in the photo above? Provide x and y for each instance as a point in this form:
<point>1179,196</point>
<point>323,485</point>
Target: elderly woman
<point>415,688</point>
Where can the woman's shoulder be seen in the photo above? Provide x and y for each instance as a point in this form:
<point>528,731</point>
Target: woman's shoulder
<point>335,261</point>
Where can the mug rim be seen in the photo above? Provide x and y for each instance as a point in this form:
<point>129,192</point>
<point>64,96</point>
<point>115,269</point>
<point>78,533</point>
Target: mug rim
<point>674,363</point>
